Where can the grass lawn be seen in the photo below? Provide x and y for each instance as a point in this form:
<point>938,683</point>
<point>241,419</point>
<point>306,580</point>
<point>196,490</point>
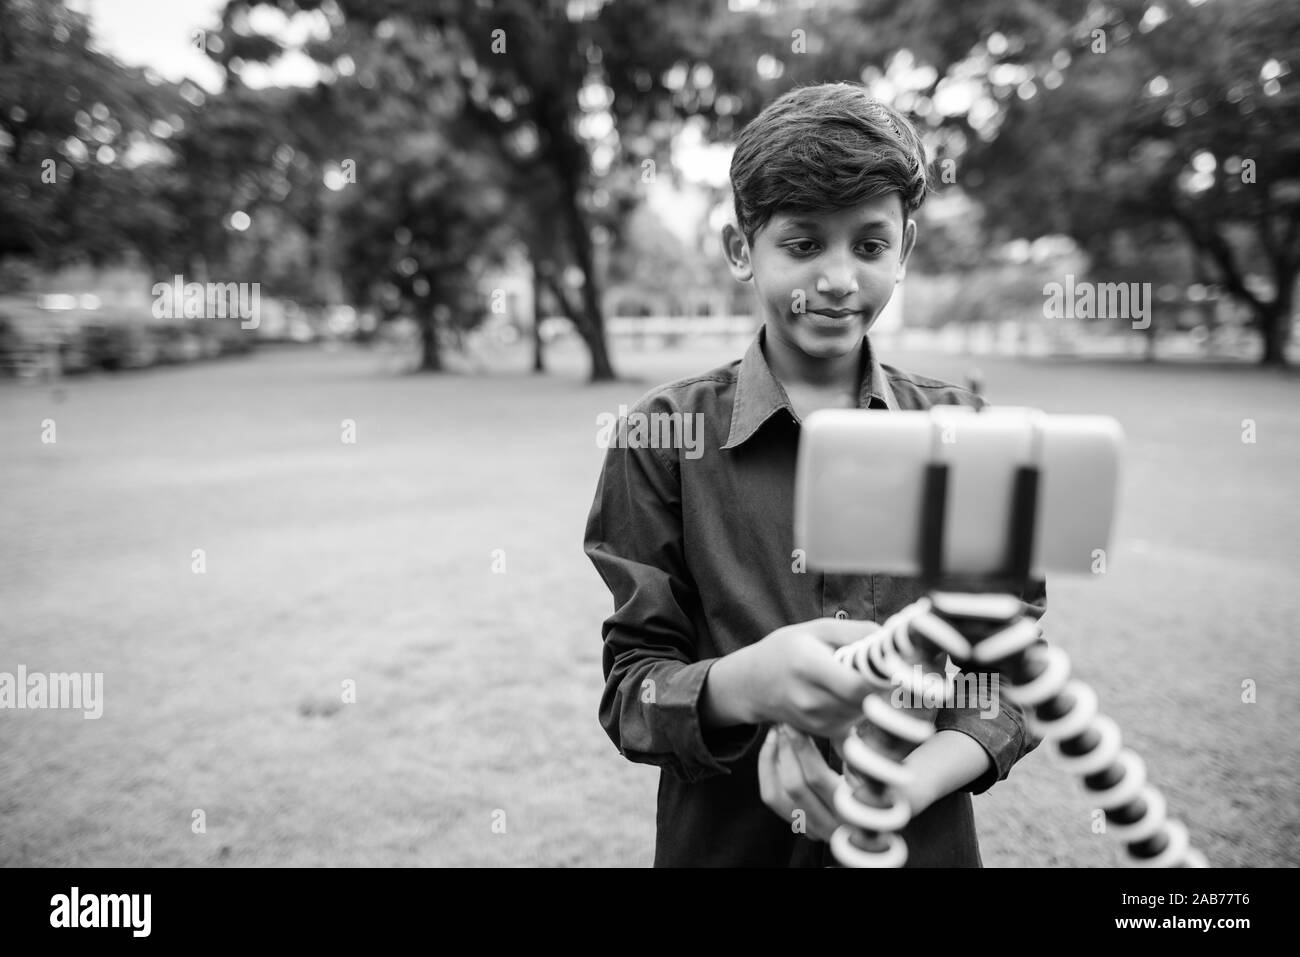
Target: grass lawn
<point>476,691</point>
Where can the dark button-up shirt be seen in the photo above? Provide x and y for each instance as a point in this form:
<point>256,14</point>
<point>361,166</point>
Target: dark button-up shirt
<point>694,538</point>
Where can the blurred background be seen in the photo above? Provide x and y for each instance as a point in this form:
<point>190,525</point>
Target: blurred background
<point>308,310</point>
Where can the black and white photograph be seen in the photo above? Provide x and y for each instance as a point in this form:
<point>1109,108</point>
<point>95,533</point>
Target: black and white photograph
<point>545,434</point>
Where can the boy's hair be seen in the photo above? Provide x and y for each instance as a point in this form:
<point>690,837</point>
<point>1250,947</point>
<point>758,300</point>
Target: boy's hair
<point>822,148</point>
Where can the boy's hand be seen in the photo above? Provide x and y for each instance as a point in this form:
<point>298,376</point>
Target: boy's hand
<point>791,677</point>
<point>796,782</point>
<point>793,776</point>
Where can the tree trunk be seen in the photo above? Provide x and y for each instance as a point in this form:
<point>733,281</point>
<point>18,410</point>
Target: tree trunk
<point>592,329</point>
<point>430,352</point>
<point>601,369</point>
<point>1275,323</point>
<point>539,364</point>
<point>1273,319</point>
<point>593,333</point>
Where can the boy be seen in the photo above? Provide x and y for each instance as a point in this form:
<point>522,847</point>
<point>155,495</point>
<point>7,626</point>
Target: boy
<point>718,657</point>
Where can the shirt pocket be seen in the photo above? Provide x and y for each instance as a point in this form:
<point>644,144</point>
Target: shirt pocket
<point>891,594</point>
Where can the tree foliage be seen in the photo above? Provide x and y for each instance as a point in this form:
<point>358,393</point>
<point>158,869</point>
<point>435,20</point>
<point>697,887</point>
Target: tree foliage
<point>78,135</point>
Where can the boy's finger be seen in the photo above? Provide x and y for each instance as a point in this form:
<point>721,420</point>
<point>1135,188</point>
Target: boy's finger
<point>769,776</point>
<point>801,794</point>
<point>837,742</point>
<point>840,681</point>
<point>796,784</point>
<point>787,766</point>
<point>816,771</point>
<point>819,824</point>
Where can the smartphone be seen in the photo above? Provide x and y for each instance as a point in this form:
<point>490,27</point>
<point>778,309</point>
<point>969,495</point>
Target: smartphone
<point>867,494</point>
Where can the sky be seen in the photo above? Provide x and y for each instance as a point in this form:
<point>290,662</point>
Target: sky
<point>160,34</point>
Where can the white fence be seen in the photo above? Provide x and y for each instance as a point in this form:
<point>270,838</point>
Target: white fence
<point>660,327</point>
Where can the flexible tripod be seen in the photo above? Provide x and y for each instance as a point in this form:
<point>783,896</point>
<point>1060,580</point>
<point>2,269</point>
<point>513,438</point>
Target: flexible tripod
<point>989,632</point>
<point>841,455</point>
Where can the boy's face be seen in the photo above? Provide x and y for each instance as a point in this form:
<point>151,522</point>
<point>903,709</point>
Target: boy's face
<point>823,278</point>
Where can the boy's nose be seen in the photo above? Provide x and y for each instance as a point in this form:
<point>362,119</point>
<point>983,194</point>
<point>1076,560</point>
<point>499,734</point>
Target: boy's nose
<point>837,283</point>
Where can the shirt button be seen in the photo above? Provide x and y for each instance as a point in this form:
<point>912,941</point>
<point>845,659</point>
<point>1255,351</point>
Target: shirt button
<point>841,614</point>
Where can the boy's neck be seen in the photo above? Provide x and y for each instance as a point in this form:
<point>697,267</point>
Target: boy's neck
<point>794,367</point>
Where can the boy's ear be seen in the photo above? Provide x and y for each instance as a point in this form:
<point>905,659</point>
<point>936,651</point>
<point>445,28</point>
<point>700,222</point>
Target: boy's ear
<point>909,242</point>
<point>736,250</point>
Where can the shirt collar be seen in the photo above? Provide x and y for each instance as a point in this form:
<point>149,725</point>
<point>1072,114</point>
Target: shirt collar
<point>760,395</point>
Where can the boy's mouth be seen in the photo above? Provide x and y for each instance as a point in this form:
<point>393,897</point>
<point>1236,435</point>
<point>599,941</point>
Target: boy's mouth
<point>832,318</point>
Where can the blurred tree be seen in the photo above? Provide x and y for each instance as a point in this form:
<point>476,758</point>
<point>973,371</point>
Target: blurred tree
<point>955,235</point>
<point>1107,121</point>
<point>394,192</point>
<point>647,252</point>
<point>79,142</point>
<point>1138,119</point>
<point>418,237</point>
<point>1103,120</point>
<point>243,180</point>
<point>573,97</point>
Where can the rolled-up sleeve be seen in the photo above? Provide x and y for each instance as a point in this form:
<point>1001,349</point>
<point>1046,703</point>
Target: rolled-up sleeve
<point>654,677</point>
<point>1004,737</point>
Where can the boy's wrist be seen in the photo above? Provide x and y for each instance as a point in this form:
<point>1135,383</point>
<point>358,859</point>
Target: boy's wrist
<point>943,765</point>
<point>723,702</point>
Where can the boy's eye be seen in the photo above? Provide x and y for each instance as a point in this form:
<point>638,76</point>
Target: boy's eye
<point>806,247</point>
<point>801,247</point>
